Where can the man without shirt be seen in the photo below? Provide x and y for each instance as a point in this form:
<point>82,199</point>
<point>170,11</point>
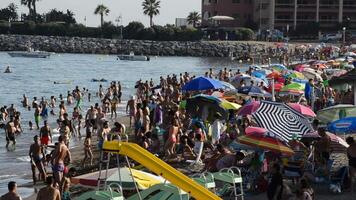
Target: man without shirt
<point>49,192</point>
<point>12,194</point>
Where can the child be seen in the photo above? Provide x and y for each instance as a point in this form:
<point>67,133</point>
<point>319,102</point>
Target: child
<point>87,149</point>
<point>30,125</point>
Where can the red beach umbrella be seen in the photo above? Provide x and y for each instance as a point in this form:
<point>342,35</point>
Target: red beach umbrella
<point>304,110</point>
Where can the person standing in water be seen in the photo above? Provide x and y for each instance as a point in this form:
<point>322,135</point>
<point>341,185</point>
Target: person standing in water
<point>45,134</point>
<point>131,108</point>
<point>24,101</point>
<point>61,154</point>
<point>10,131</point>
<point>114,101</point>
<point>37,154</point>
<point>37,115</point>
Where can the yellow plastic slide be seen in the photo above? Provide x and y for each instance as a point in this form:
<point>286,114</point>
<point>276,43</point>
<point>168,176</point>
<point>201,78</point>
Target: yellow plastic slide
<point>159,167</point>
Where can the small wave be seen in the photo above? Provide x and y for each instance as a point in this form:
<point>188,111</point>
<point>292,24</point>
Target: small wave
<point>24,158</point>
<point>6,176</point>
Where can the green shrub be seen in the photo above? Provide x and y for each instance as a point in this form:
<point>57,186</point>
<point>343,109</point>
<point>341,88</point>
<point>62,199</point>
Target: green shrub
<point>244,34</point>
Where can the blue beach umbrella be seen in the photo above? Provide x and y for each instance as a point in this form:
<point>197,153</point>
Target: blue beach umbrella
<point>253,91</point>
<point>259,74</point>
<point>345,125</point>
<point>202,83</point>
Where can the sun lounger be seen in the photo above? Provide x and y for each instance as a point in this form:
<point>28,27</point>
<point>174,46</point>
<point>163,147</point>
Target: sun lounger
<point>228,175</point>
<point>205,179</point>
<point>162,191</point>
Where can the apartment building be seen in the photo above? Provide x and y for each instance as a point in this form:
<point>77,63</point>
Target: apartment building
<point>270,14</point>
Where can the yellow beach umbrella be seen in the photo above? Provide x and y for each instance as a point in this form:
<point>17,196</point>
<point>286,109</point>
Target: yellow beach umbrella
<point>229,105</point>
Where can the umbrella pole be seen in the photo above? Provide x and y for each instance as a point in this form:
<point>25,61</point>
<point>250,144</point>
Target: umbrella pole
<point>273,95</point>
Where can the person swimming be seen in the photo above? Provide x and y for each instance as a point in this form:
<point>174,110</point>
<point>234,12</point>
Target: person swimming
<point>8,70</point>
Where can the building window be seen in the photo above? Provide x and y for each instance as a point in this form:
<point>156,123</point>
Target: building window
<point>235,1</point>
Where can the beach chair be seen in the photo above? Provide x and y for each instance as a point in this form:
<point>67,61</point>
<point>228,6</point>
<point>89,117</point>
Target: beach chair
<point>205,179</point>
<point>107,194</point>
<point>163,191</point>
<point>229,176</point>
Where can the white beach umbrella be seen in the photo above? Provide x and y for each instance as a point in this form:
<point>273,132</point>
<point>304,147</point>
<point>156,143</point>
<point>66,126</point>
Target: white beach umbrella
<point>221,18</point>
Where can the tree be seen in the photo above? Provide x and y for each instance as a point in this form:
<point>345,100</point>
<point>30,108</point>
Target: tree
<point>133,30</point>
<point>151,8</point>
<point>28,3</point>
<point>9,13</point>
<point>59,16</point>
<point>193,18</point>
<point>34,11</point>
<point>101,10</point>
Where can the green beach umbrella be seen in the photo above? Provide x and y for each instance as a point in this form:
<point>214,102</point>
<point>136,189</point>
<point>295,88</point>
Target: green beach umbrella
<point>293,86</point>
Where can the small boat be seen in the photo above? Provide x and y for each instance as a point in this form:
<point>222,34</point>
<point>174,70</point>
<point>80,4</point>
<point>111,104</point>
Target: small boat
<point>30,53</point>
<point>133,57</point>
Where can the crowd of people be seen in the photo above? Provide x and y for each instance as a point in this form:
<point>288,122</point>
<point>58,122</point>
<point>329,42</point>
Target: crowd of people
<point>159,122</point>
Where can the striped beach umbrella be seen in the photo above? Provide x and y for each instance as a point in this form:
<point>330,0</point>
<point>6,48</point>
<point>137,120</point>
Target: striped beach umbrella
<point>266,143</point>
<point>281,120</point>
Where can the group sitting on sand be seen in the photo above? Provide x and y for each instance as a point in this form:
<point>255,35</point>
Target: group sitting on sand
<point>194,141</point>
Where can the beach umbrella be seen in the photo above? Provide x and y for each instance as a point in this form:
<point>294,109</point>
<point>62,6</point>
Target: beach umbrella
<point>235,81</point>
<point>274,75</point>
<point>337,112</point>
<point>221,18</point>
<point>143,179</point>
<point>202,83</point>
<point>253,91</point>
<point>248,109</point>
<point>227,86</point>
<point>265,143</point>
<point>312,74</point>
<point>204,105</point>
<point>337,145</point>
<point>350,53</point>
<point>258,74</point>
<point>301,81</point>
<point>319,66</point>
<point>295,74</point>
<point>300,67</point>
<point>281,120</point>
<point>279,67</point>
<point>306,111</point>
<point>344,125</point>
<point>277,87</point>
<point>293,89</point>
<point>217,94</point>
<point>229,105</point>
<point>255,130</point>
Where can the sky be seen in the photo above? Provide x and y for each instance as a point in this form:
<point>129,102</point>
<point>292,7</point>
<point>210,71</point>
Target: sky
<point>130,10</point>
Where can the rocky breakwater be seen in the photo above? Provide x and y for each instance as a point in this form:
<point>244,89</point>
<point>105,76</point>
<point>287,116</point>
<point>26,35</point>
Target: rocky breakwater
<point>114,46</point>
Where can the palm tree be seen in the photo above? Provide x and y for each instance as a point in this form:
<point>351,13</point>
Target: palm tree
<point>28,4</point>
<point>151,8</point>
<point>101,10</point>
<point>193,18</point>
<point>34,9</point>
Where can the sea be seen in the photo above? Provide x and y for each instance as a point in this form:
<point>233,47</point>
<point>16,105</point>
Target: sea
<point>35,77</point>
